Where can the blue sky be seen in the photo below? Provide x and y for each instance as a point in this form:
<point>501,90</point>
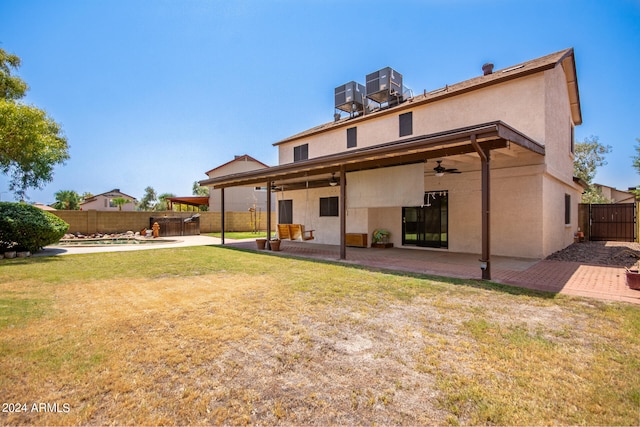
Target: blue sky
<point>157,92</point>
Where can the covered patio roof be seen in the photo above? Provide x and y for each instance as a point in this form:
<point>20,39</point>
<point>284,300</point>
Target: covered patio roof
<point>480,139</point>
<point>489,136</point>
<point>195,201</point>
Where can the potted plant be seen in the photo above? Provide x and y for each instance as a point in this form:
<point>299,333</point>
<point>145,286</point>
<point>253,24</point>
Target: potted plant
<point>262,243</point>
<point>381,239</point>
<point>275,244</point>
<point>633,276</point>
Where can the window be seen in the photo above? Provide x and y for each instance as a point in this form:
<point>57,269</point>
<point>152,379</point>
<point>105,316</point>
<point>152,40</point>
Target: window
<point>567,209</point>
<point>328,206</point>
<point>352,137</point>
<point>285,211</point>
<point>301,152</point>
<point>406,124</point>
<point>573,139</point>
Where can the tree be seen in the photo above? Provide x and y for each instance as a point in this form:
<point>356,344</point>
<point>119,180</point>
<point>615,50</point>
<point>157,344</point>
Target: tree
<point>636,165</point>
<point>198,190</point>
<point>636,158</point>
<point>67,200</point>
<point>589,156</point>
<point>120,201</point>
<point>163,203</point>
<point>26,228</point>
<point>86,196</point>
<point>593,195</point>
<point>31,142</point>
<point>149,199</point>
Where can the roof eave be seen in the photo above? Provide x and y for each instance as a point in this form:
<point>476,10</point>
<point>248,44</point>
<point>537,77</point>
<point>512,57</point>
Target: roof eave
<point>466,86</point>
<point>408,150</point>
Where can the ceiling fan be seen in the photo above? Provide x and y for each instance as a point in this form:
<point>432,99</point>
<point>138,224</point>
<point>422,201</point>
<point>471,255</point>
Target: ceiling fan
<point>441,170</point>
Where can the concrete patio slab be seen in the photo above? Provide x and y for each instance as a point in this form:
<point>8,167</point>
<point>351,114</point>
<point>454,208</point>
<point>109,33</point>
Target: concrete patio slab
<point>571,278</point>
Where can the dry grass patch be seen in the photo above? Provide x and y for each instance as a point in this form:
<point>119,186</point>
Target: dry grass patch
<point>214,336</point>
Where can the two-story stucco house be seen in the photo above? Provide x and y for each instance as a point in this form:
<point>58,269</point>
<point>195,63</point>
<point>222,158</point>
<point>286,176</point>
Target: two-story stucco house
<point>104,202</point>
<point>239,199</point>
<point>482,166</point>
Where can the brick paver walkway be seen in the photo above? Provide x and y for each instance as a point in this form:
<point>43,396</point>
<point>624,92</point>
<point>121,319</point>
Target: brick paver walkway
<point>594,281</point>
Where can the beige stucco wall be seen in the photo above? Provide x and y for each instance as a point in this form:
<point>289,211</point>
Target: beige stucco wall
<point>519,103</point>
<point>517,217</point>
<point>527,189</point>
<point>386,187</point>
<point>101,203</point>
<point>237,199</point>
<point>556,234</point>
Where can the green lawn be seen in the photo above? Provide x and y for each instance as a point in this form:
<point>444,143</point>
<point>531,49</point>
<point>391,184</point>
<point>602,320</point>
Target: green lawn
<point>212,335</point>
<point>239,235</point>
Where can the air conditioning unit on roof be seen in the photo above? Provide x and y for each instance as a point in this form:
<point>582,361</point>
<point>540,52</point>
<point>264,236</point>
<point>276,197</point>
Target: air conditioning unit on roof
<point>384,86</point>
<point>350,97</point>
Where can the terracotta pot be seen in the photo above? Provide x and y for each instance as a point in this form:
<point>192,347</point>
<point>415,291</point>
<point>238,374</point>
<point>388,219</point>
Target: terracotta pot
<point>275,245</point>
<point>633,279</point>
<point>262,243</point>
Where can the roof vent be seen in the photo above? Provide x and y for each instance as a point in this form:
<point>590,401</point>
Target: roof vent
<point>385,86</point>
<point>350,97</point>
<point>487,68</point>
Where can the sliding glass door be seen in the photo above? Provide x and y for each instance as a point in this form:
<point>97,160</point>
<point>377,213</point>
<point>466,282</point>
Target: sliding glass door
<point>427,225</point>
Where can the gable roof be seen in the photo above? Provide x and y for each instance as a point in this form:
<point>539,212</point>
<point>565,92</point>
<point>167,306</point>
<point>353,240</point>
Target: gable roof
<point>565,58</point>
<point>243,158</point>
<point>115,190</point>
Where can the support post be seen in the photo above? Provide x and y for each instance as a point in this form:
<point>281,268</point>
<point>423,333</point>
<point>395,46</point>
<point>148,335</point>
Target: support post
<point>268,214</point>
<point>343,213</point>
<point>485,260</point>
<point>222,214</point>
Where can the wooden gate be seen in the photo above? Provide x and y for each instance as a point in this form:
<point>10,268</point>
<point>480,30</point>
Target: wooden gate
<point>177,226</point>
<point>614,222</point>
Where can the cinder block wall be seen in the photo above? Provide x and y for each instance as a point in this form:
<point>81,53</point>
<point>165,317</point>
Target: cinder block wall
<point>89,222</point>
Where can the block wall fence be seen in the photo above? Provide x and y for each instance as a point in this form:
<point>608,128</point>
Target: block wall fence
<point>91,221</point>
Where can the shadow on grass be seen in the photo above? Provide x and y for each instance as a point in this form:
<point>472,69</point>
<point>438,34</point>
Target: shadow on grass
<point>472,283</point>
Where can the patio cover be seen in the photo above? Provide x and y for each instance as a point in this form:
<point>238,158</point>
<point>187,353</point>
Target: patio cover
<point>480,139</point>
<point>196,201</point>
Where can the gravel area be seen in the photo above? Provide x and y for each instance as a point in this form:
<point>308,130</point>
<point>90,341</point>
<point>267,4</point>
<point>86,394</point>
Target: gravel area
<point>620,254</point>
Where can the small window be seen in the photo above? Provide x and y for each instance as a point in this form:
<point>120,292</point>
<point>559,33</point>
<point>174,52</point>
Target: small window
<point>328,206</point>
<point>567,209</point>
<point>352,137</point>
<point>406,124</point>
<point>301,152</point>
<point>573,139</point>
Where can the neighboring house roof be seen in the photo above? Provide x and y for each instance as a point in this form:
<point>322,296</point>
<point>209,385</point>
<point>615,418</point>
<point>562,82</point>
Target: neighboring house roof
<point>243,158</point>
<point>566,57</point>
<point>617,196</point>
<point>44,207</point>
<point>106,194</point>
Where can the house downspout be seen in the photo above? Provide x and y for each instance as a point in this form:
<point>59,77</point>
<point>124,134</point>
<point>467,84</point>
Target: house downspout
<point>485,260</point>
<point>222,214</point>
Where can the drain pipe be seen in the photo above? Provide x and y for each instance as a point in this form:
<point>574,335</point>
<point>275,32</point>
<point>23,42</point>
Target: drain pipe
<point>485,260</point>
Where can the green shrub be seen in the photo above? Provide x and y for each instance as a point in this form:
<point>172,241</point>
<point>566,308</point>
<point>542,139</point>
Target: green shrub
<point>27,228</point>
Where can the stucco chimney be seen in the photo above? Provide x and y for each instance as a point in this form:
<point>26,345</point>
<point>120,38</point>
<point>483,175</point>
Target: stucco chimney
<point>487,68</point>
